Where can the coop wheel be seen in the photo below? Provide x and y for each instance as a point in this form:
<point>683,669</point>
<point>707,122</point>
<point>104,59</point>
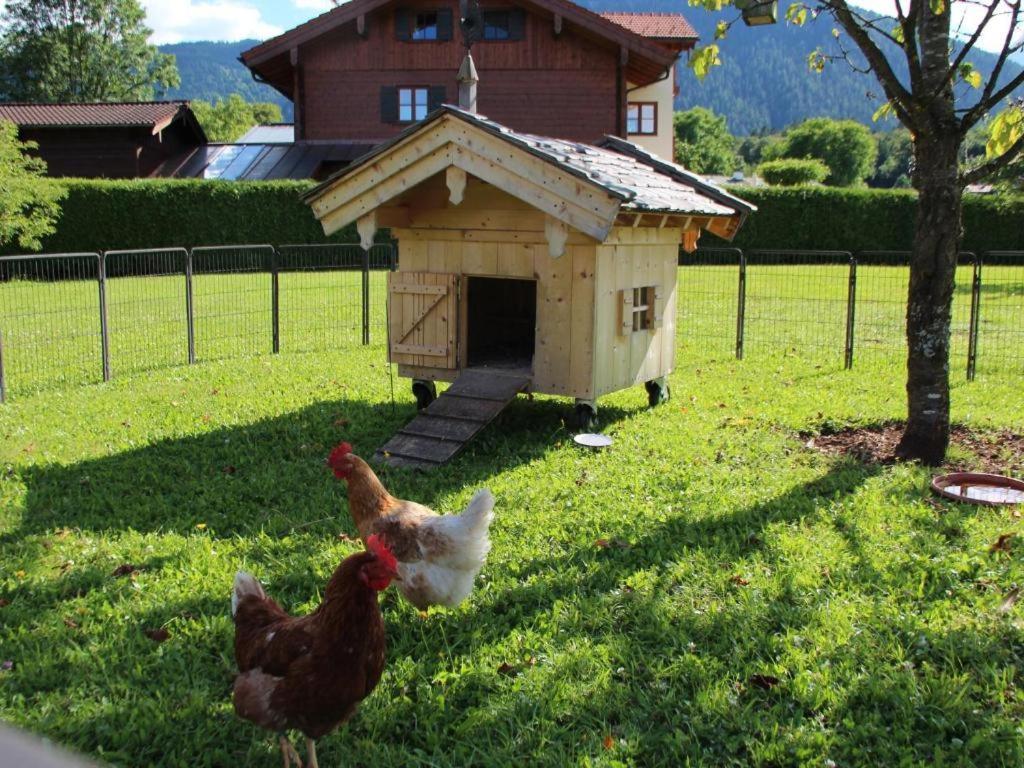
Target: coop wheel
<point>585,417</point>
<point>425,393</point>
<point>657,392</point>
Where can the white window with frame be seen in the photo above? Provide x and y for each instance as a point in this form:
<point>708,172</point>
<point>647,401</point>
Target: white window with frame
<point>642,118</point>
<point>413,104</point>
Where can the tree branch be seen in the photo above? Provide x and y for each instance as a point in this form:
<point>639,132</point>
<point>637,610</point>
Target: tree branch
<point>969,45</point>
<point>995,164</point>
<point>899,96</point>
<point>987,100</point>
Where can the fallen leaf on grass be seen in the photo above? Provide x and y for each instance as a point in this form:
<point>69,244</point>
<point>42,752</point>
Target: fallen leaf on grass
<point>228,470</point>
<point>157,635</point>
<point>612,544</point>
<point>739,581</point>
<point>1002,544</point>
<point>344,537</point>
<point>1010,600</point>
<point>509,670</point>
<point>19,574</point>
<point>608,742</point>
<point>200,526</point>
<point>342,423</point>
<point>4,603</point>
<point>764,682</point>
<point>70,623</point>
<point>126,570</point>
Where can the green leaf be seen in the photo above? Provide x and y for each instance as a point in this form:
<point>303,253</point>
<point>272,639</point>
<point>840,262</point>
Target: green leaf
<point>835,33</point>
<point>886,110</point>
<point>938,6</point>
<point>708,5</point>
<point>721,29</point>
<point>1006,130</point>
<point>796,14</point>
<point>970,75</point>
<point>816,61</point>
<point>703,59</point>
<point>897,33</point>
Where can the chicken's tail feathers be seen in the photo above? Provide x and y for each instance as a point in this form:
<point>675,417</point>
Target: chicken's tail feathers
<point>245,585</point>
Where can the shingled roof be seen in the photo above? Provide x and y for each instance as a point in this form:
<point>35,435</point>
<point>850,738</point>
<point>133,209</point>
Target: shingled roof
<point>659,26</point>
<point>154,115</point>
<point>640,182</point>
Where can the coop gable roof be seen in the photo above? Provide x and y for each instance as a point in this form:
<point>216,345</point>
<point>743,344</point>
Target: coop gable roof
<point>586,187</point>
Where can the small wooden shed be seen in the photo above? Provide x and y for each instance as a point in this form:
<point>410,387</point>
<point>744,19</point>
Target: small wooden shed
<point>526,264</point>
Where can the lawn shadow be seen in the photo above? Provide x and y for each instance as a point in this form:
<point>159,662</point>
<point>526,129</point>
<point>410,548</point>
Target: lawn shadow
<point>269,475</point>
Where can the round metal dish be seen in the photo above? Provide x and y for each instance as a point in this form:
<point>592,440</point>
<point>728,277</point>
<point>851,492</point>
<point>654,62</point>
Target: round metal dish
<point>593,440</point>
<point>980,488</point>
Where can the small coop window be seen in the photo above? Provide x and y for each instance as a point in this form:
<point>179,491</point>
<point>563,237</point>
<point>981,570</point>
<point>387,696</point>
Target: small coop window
<point>642,118</point>
<point>425,27</point>
<point>641,309</point>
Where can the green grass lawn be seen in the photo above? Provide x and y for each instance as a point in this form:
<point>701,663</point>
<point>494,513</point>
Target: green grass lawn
<point>708,591</point>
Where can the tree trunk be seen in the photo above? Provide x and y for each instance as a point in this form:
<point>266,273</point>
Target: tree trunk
<point>929,308</point>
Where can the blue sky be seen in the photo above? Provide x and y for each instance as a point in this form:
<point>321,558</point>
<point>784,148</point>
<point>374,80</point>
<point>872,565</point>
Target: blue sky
<point>175,20</point>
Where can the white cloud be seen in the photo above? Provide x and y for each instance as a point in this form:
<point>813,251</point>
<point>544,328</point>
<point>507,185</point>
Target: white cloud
<point>313,5</point>
<point>173,21</point>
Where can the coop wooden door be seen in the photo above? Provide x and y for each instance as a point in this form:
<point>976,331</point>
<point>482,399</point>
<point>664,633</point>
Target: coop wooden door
<point>424,309</point>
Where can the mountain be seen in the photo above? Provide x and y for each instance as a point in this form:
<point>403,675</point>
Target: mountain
<point>763,83</point>
<point>211,71</point>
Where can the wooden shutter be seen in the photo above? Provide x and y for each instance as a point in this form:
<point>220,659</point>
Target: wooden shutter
<point>389,104</point>
<point>516,24</point>
<point>444,24</point>
<point>403,24</point>
<point>626,308</point>
<point>423,319</point>
<point>436,97</point>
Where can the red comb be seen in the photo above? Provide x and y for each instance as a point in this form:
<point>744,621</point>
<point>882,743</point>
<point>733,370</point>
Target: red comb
<point>339,453</point>
<point>377,545</point>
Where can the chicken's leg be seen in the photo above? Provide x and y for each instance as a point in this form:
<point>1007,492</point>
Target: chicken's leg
<point>311,753</point>
<point>288,752</point>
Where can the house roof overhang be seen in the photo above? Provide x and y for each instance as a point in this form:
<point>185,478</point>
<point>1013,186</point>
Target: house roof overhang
<point>646,59</point>
<point>590,189</point>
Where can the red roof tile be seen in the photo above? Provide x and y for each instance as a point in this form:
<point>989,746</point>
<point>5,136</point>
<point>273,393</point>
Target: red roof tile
<point>152,114</point>
<point>660,26</point>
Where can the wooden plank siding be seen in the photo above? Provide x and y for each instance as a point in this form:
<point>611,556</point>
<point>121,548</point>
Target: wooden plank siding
<point>557,86</point>
<point>634,258</point>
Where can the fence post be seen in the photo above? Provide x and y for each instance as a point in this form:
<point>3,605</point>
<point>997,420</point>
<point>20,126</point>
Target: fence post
<point>101,269</point>
<point>190,312</point>
<point>275,301</point>
<point>851,312</point>
<point>975,322</point>
<point>3,379</point>
<point>741,307</point>
<point>366,296</point>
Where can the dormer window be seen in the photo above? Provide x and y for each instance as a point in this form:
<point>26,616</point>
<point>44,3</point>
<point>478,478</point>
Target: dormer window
<point>425,26</point>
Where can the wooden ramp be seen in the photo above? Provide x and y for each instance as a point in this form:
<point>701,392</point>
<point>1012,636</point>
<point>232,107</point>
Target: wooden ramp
<point>444,427</point>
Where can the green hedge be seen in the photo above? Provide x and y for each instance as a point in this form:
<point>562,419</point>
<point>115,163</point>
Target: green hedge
<point>110,215</point>
<point>824,218</point>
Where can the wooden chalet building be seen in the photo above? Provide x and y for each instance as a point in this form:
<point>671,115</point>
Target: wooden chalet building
<point>113,141</point>
<point>368,69</point>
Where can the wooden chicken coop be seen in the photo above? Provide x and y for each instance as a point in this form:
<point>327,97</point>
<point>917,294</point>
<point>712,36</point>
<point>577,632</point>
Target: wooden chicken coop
<point>526,264</point>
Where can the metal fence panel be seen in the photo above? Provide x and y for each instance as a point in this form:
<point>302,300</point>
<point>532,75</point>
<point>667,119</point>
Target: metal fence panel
<point>797,301</point>
<point>146,310</point>
<point>49,322</point>
<point>232,297</point>
<point>709,299</point>
<point>1001,312</point>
